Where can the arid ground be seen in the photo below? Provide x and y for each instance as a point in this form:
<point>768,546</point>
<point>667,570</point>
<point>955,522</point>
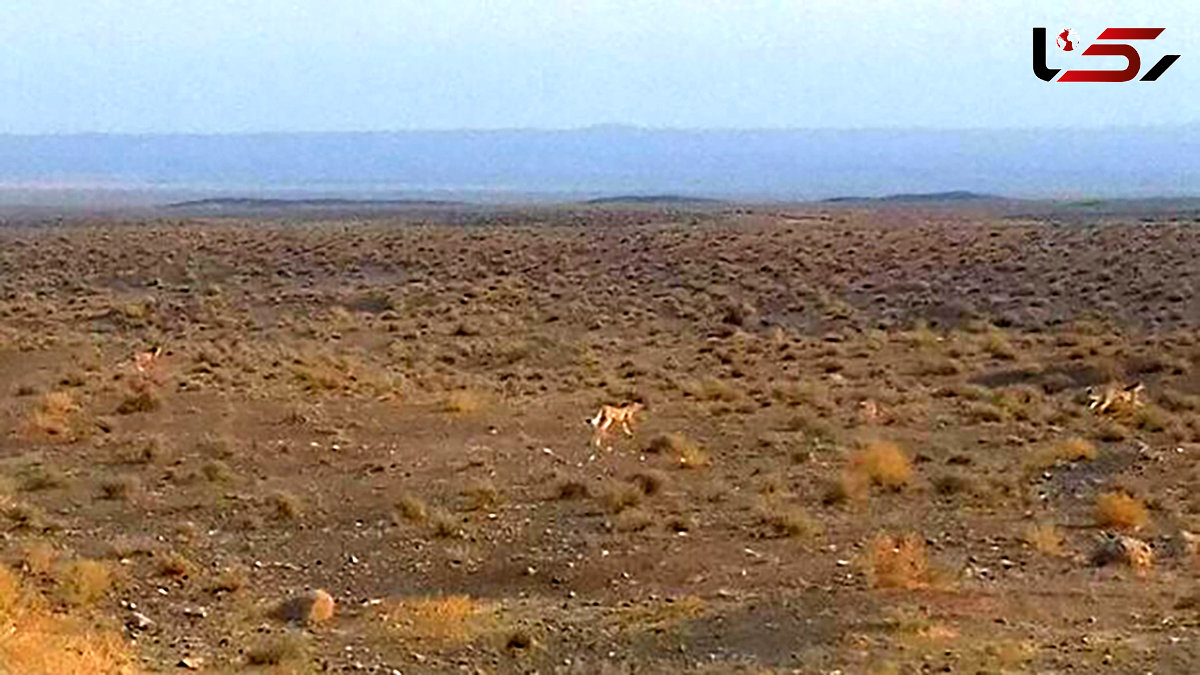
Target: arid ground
<point>867,446</point>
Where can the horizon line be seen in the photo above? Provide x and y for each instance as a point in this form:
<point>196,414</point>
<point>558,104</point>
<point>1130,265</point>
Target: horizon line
<point>607,126</point>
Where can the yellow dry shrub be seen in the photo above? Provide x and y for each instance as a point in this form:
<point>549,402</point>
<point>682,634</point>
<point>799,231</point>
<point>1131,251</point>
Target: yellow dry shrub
<point>454,619</point>
<point>1120,510</point>
<point>37,641</point>
<point>883,463</point>
<point>892,562</point>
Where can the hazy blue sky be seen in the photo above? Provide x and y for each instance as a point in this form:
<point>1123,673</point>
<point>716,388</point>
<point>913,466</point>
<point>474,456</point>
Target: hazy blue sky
<point>307,65</point>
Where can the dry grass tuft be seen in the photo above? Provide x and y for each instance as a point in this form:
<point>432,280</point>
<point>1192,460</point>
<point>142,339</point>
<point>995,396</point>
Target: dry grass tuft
<point>215,446</point>
<point>38,557</point>
<point>85,581</point>
<point>815,429</point>
<point>691,455</point>
<point>790,521</point>
<point>1073,449</point>
<point>633,520</point>
<point>278,650</point>
<point>412,508</point>
<point>617,496</point>
<point>444,524</point>
<point>658,616</point>
<point>1121,510</point>
<point>982,411</point>
<point>955,483</point>
<point>145,449</point>
<point>571,489</point>
<point>228,580</point>
<point>665,444</point>
<point>850,487</point>
<point>481,494</point>
<point>712,389</point>
<point>450,620</point>
<point>771,484</point>
<point>1044,538</point>
<point>38,477</point>
<point>37,641</point>
<point>53,416</point>
<point>175,565</point>
<point>217,471</point>
<point>27,516</point>
<point>120,488</point>
<point>883,463</point>
<point>650,481</point>
<point>142,399</point>
<point>688,452</point>
<point>897,563</point>
<point>997,345</point>
<point>286,506</point>
<point>463,401</point>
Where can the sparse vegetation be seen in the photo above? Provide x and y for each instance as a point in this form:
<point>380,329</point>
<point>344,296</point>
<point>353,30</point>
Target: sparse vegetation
<point>41,641</point>
<point>175,565</point>
<point>1044,538</point>
<point>892,562</point>
<point>572,489</point>
<point>444,524</point>
<point>463,401</point>
<point>1074,449</point>
<point>287,649</point>
<point>852,486</point>
<point>996,344</point>
<point>481,494</point>
<point>651,481</point>
<point>217,471</point>
<point>40,477</point>
<point>686,451</point>
<point>120,488</point>
<point>633,520</point>
<point>954,483</point>
<point>412,508</point>
<point>143,399</point>
<point>618,496</point>
<point>85,581</point>
<point>453,619</point>
<point>790,521</point>
<point>38,558</point>
<point>53,416</point>
<point>1120,510</point>
<point>883,463</point>
<point>286,506</point>
<point>275,454</point>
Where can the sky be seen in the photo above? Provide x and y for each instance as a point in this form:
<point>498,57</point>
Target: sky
<point>220,66</point>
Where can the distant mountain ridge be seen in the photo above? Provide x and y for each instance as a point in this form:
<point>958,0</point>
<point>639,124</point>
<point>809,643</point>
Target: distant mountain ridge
<point>613,160</point>
<point>919,197</point>
<point>323,202</point>
<point>652,199</point>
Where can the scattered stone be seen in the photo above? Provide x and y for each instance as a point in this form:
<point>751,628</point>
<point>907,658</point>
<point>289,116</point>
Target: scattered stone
<point>1190,543</point>
<point>311,607</point>
<point>139,621</point>
<point>195,612</point>
<point>191,662</point>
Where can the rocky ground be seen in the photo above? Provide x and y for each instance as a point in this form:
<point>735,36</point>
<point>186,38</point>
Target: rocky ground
<point>867,446</point>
